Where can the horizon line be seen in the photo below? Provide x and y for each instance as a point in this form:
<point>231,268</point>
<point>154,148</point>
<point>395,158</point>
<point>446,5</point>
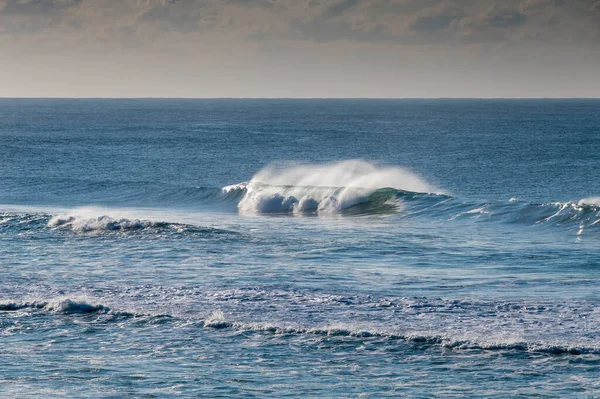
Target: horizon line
<point>292,98</point>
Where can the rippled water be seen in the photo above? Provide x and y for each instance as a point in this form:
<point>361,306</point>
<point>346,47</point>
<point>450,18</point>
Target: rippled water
<point>299,248</point>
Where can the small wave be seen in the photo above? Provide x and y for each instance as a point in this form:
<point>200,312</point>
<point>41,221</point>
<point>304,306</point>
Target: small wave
<point>106,223</point>
<point>218,321</point>
<point>102,221</point>
<point>58,305</point>
<point>82,222</point>
<point>22,221</point>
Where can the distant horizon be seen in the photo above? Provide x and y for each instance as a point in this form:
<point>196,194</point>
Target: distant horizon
<point>299,98</point>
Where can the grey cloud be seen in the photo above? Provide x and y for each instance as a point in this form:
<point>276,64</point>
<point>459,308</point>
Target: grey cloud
<point>155,14</point>
<point>35,7</point>
<point>252,3</point>
<point>328,31</point>
<point>508,20</point>
<point>23,17</point>
<point>501,18</point>
<point>386,21</point>
<point>432,23</point>
<point>406,7</point>
<point>439,21</point>
<point>178,15</point>
<point>340,7</point>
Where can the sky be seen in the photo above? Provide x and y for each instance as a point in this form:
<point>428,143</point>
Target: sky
<point>300,48</point>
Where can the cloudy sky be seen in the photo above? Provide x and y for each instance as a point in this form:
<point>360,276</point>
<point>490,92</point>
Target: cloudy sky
<point>300,48</point>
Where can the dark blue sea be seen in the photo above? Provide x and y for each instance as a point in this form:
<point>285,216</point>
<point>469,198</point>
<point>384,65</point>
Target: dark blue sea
<point>299,248</point>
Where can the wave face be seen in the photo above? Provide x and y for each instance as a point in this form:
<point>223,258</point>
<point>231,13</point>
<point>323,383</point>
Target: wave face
<point>259,198</point>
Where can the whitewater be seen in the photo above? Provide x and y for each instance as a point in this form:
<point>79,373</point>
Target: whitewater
<point>299,248</point>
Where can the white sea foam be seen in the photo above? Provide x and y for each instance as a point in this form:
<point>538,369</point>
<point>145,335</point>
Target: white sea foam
<point>483,325</point>
<point>350,173</point>
<point>595,201</point>
<point>65,305</point>
<point>75,305</point>
<point>95,219</point>
<point>324,188</point>
<point>459,341</point>
<point>216,320</point>
<point>86,224</point>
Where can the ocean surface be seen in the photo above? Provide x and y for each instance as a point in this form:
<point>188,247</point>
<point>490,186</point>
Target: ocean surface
<point>299,248</point>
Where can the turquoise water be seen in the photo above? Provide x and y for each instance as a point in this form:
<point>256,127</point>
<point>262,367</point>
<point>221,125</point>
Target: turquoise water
<point>299,248</point>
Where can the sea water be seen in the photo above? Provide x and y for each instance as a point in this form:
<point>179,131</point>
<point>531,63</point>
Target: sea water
<point>299,248</point>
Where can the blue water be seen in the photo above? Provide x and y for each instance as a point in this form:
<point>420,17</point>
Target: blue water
<point>299,248</point>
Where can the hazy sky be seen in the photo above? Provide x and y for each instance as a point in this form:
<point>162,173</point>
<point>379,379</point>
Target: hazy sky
<point>300,48</point>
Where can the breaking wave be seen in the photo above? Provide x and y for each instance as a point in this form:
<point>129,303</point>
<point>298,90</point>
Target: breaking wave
<point>258,198</point>
<point>325,189</point>
<point>361,188</point>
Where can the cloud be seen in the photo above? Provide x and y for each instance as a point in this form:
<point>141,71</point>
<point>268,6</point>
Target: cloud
<point>435,19</point>
<point>506,19</point>
<point>35,7</point>
<point>369,21</point>
<point>300,47</point>
<point>22,17</point>
<point>339,8</point>
<point>174,15</point>
<point>252,3</point>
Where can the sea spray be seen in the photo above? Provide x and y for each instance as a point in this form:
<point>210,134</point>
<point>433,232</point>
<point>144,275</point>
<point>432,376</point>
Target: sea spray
<point>321,188</point>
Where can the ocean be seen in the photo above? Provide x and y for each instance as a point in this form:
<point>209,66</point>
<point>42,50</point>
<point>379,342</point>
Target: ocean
<point>299,248</point>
